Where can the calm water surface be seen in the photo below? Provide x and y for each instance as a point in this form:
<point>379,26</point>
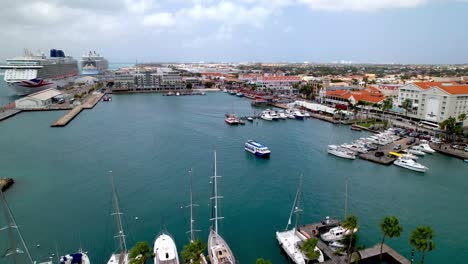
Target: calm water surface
<point>63,191</point>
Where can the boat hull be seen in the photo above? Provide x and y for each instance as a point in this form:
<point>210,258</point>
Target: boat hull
<point>21,89</point>
<point>165,250</point>
<point>341,155</point>
<point>410,168</point>
<point>217,245</point>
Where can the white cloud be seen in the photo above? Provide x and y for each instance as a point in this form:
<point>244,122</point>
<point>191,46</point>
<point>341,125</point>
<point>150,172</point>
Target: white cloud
<point>139,6</point>
<point>360,5</point>
<point>163,19</point>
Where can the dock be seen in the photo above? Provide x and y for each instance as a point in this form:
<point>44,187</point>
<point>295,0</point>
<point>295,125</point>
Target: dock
<point>386,159</point>
<point>448,150</point>
<point>8,113</point>
<point>325,118</point>
<point>90,102</point>
<point>389,255</point>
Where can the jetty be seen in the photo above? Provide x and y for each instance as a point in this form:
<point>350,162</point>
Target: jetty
<point>8,113</point>
<point>90,102</point>
<point>448,150</point>
<point>6,183</point>
<point>386,158</point>
<point>367,256</point>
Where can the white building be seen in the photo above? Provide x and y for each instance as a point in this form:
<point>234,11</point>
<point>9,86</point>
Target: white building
<point>435,101</point>
<point>40,99</point>
<point>278,82</point>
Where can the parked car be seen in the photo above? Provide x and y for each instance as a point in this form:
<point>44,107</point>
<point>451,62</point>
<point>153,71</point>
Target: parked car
<point>466,149</point>
<point>379,154</point>
<point>397,147</point>
<point>61,101</point>
<point>411,141</point>
<point>413,134</point>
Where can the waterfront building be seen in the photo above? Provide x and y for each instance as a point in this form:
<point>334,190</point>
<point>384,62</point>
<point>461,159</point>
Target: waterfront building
<point>278,82</point>
<point>389,90</point>
<point>160,79</point>
<point>369,95</point>
<point>435,101</point>
<point>39,99</point>
<point>194,81</point>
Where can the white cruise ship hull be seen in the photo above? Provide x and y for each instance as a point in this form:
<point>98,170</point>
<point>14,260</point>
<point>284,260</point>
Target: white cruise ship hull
<point>26,87</point>
<point>90,72</point>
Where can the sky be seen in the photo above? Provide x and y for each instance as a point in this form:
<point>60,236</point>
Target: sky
<point>360,31</point>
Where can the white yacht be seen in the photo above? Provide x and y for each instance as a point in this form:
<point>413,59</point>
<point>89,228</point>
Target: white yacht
<point>337,247</point>
<point>282,115</point>
<point>410,164</point>
<point>266,116</point>
<point>410,156</point>
<point>271,113</point>
<point>298,115</point>
<point>355,148</point>
<point>336,234</point>
<point>426,148</point>
<point>218,250</point>
<point>165,251</point>
<point>78,258</point>
<point>290,240</point>
<point>416,151</point>
<point>341,152</point>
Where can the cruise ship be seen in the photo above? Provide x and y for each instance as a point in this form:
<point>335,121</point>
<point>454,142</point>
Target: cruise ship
<point>92,63</point>
<point>31,72</point>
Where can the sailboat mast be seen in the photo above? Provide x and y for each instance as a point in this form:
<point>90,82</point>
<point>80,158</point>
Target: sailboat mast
<point>297,209</point>
<point>215,195</point>
<point>12,224</point>
<point>117,213</point>
<point>192,238</point>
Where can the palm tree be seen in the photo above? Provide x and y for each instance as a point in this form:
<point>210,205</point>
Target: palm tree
<point>449,125</point>
<point>390,228</point>
<point>139,253</point>
<point>407,105</point>
<point>192,251</point>
<point>309,248</point>
<point>462,117</point>
<point>421,239</point>
<point>262,261</point>
<point>350,223</point>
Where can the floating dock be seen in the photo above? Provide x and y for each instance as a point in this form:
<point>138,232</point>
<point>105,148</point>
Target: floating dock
<point>90,102</point>
<point>368,255</point>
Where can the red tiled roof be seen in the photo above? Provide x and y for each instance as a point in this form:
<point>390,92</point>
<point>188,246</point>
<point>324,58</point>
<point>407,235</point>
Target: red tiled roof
<point>281,78</point>
<point>214,74</point>
<point>364,95</point>
<point>449,87</point>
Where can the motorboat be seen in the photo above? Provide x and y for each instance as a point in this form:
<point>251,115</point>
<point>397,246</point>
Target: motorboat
<point>272,114</point>
<point>298,115</point>
<point>77,258</point>
<point>341,152</point>
<point>426,148</point>
<point>257,149</point>
<point>355,148</point>
<point>231,119</point>
<point>266,116</point>
<point>165,251</point>
<point>250,119</point>
<point>416,151</point>
<point>239,94</point>
<point>281,115</point>
<point>410,164</point>
<point>355,128</point>
<point>336,234</point>
<point>305,114</point>
<point>337,247</point>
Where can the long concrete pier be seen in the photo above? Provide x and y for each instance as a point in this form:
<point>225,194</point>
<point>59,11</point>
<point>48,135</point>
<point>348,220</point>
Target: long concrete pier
<point>8,113</point>
<point>90,102</point>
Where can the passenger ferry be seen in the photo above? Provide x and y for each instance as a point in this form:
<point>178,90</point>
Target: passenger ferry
<point>257,149</point>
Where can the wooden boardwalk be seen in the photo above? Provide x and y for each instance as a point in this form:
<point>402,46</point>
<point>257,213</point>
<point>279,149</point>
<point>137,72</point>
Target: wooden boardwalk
<point>91,101</point>
<point>390,255</point>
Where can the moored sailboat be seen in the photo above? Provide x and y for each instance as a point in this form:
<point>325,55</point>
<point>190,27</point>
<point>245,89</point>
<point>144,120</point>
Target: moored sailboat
<point>120,257</point>
<point>218,250</point>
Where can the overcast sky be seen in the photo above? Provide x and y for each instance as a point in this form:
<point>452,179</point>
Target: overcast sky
<point>376,31</point>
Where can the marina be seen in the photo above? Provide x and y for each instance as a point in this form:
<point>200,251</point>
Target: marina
<point>243,174</point>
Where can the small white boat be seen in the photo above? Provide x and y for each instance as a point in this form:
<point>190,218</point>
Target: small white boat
<point>266,116</point>
<point>336,234</point>
<point>410,156</point>
<point>298,115</point>
<point>337,247</point>
<point>416,151</point>
<point>271,113</point>
<point>78,258</point>
<point>165,251</point>
<point>410,164</point>
<point>341,152</point>
<point>426,148</point>
<point>281,115</point>
<point>250,118</point>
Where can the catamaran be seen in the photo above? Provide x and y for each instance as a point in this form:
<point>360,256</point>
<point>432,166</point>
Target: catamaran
<point>218,250</point>
<point>290,240</point>
<point>121,256</point>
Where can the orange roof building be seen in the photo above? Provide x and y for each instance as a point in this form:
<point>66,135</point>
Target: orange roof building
<point>435,101</point>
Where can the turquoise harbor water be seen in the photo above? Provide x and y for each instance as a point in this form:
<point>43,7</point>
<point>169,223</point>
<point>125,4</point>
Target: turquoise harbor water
<point>63,192</point>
